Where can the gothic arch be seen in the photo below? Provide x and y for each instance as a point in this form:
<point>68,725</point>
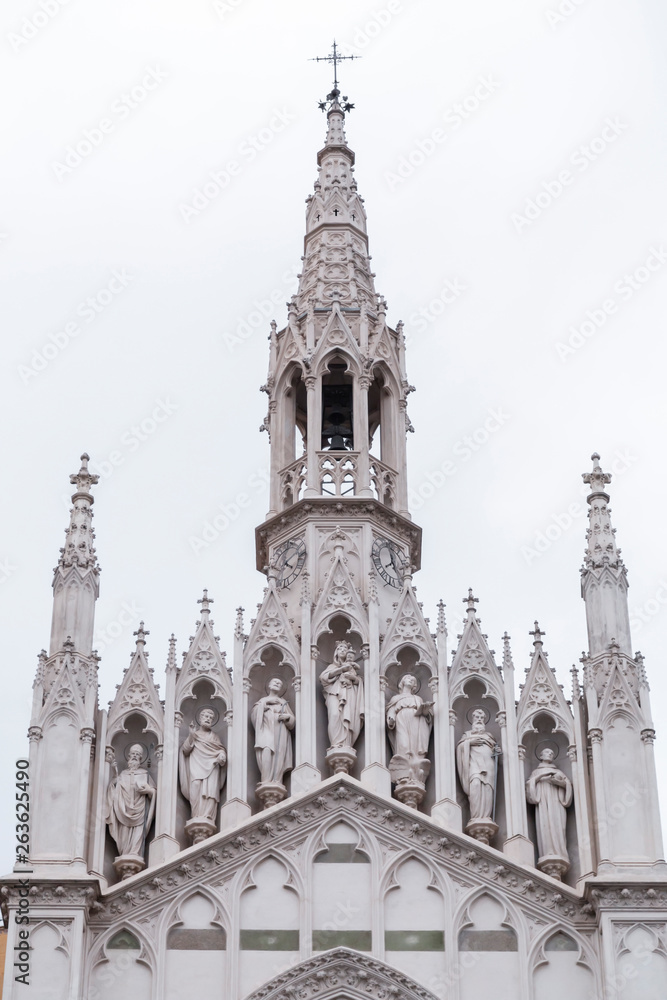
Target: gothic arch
<point>537,957</point>
<point>438,878</point>
<point>172,914</point>
<point>147,955</point>
<point>244,879</point>
<point>343,351</point>
<point>512,918</point>
<point>365,843</point>
<point>342,974</point>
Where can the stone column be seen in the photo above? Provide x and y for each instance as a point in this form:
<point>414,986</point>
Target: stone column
<point>236,808</point>
<point>165,844</point>
<point>375,774</point>
<point>446,809</point>
<point>518,846</point>
<point>361,444</point>
<point>305,773</point>
<point>313,435</point>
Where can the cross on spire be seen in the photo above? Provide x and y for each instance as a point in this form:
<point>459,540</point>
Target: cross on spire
<point>334,58</point>
<point>205,602</point>
<point>538,633</point>
<point>470,601</point>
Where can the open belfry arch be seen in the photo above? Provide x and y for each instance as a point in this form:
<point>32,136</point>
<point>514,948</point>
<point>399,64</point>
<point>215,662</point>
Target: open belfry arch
<point>341,807</point>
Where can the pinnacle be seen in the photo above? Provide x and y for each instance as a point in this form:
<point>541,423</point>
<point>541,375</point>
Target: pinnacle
<point>141,634</point>
<point>205,602</point>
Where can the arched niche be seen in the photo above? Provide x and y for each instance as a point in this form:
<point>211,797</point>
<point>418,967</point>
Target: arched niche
<point>338,417</point>
<point>123,969</point>
<point>383,412</point>
<point>196,944</point>
<point>546,734</point>
<point>339,629</point>
<point>203,696</point>
<point>271,663</point>
<point>414,918</point>
<point>488,947</point>
<point>407,660</point>
<point>136,730</point>
<point>561,969</point>
<point>475,696</point>
<point>342,891</point>
<point>269,922</point>
<point>49,975</point>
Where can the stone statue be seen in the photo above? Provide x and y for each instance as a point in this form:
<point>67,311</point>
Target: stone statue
<point>475,760</point>
<point>550,791</point>
<point>201,768</point>
<point>409,722</point>
<point>344,696</point>
<point>130,808</point>
<point>272,718</point>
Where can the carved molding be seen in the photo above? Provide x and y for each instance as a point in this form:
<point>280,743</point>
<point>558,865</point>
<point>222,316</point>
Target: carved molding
<point>341,973</point>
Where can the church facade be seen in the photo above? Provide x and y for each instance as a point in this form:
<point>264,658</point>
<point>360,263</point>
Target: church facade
<point>345,809</point>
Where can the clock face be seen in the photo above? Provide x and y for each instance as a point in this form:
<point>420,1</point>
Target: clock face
<point>289,559</point>
<point>389,562</point>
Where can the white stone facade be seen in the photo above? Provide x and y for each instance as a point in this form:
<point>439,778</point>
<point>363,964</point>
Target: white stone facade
<point>340,811</point>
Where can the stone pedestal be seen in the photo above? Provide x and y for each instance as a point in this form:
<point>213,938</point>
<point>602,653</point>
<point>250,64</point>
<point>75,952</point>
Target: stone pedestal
<point>482,829</point>
<point>341,759</point>
<point>128,864</point>
<point>199,829</point>
<point>554,866</point>
<point>270,793</point>
<point>410,792</point>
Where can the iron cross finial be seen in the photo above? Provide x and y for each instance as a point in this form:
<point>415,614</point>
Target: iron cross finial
<point>334,58</point>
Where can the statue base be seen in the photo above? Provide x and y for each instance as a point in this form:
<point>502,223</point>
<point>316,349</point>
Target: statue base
<point>341,759</point>
<point>482,830</point>
<point>410,792</point>
<point>554,866</point>
<point>200,829</point>
<point>128,864</point>
<point>270,793</point>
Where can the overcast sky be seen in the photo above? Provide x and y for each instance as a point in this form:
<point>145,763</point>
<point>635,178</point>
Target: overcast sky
<point>156,160</point>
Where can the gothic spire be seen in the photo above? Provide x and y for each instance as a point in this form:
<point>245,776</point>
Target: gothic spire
<point>76,577</point>
<point>604,582</point>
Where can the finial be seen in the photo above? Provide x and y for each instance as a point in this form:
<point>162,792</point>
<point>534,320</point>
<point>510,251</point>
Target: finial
<point>83,479</point>
<point>538,633</point>
<point>442,623</point>
<point>332,98</point>
<point>470,601</point>
<point>141,634</point>
<point>205,601</point>
<point>171,656</point>
<point>508,663</point>
<point>597,479</point>
<point>238,628</point>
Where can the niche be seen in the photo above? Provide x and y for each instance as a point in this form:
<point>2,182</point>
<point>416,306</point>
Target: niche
<point>191,708</point>
<point>136,732</point>
<point>339,630</point>
<point>475,697</point>
<point>271,664</point>
<point>337,416</point>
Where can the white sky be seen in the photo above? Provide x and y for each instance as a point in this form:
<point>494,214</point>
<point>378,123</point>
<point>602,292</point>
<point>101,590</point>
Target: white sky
<point>220,73</point>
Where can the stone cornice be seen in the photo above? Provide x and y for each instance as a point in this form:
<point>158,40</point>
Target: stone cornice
<point>337,510</point>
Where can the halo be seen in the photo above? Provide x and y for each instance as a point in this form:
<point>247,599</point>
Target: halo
<point>208,708</point>
<point>478,708</point>
<point>136,743</point>
<point>547,745</point>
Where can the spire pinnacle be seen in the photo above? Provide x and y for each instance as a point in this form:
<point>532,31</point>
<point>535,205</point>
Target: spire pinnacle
<point>141,634</point>
<point>470,602</point>
<point>537,633</point>
<point>442,623</point>
<point>83,480</point>
<point>205,602</point>
<point>508,663</point>
<point>601,548</point>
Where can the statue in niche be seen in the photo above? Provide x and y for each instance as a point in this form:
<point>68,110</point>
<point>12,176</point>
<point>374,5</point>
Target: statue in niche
<point>476,755</point>
<point>130,807</point>
<point>344,696</point>
<point>550,791</point>
<point>409,723</point>
<point>273,719</point>
<point>201,767</point>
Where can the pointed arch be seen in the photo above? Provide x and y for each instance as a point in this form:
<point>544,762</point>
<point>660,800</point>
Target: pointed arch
<point>536,952</point>
<point>244,877</point>
<point>342,974</point>
<point>317,842</point>
<point>171,917</point>
<point>98,953</point>
<point>512,918</point>
<point>439,880</point>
